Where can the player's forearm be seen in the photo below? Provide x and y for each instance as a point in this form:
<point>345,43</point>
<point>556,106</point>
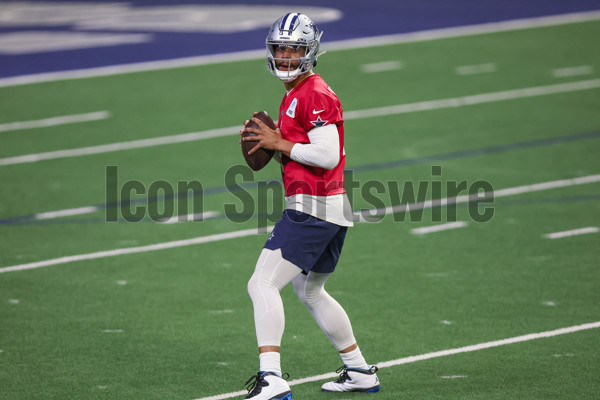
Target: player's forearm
<point>285,147</point>
<point>323,150</point>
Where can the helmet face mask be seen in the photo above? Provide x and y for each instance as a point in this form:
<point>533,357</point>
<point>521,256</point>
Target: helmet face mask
<point>294,31</point>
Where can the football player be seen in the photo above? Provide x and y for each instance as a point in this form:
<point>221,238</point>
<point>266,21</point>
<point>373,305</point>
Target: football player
<point>305,245</point>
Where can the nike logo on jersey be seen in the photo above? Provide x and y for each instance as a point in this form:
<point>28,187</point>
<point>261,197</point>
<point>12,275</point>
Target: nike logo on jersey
<point>319,122</point>
<point>317,112</point>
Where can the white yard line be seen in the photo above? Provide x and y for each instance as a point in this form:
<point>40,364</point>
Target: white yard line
<point>474,99</point>
<point>462,31</point>
<point>54,121</point>
<point>381,66</point>
<point>131,68</point>
<point>438,228</point>
<point>107,148</point>
<point>350,115</point>
<point>434,34</point>
<point>572,71</point>
<point>547,185</point>
<point>475,69</point>
<point>436,354</point>
<point>573,232</point>
<point>359,216</point>
<point>67,213</point>
<point>374,215</point>
<point>133,250</point>
<point>189,217</point>
<point>70,212</point>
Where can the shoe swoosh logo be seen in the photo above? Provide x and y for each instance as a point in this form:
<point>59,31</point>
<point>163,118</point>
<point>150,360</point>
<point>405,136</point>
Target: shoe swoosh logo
<point>317,112</point>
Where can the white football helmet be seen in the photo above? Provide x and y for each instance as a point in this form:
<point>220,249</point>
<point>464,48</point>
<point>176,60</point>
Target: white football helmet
<point>293,30</point>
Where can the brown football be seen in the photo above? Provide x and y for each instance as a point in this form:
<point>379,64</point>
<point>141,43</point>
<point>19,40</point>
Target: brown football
<point>258,160</point>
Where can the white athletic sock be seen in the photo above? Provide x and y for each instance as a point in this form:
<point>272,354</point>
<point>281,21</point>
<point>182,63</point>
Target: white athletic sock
<point>270,362</point>
<point>354,359</point>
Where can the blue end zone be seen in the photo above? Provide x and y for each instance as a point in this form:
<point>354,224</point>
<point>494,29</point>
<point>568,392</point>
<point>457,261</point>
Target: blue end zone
<point>356,19</point>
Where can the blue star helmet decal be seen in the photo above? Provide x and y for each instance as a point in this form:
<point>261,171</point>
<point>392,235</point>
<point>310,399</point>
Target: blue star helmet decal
<point>319,122</point>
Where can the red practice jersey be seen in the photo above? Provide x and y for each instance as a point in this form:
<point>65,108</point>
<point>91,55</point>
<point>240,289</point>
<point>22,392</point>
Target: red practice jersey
<point>309,105</point>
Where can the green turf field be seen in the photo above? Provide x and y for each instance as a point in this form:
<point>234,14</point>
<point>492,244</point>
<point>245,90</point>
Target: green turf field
<point>177,323</point>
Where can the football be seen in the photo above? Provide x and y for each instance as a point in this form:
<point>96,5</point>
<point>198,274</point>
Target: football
<point>259,159</point>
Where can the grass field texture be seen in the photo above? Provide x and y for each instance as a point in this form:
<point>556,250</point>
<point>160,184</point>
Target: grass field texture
<point>177,323</point>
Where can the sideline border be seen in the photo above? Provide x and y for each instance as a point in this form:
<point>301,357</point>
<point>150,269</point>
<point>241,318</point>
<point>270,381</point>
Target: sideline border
<point>383,40</point>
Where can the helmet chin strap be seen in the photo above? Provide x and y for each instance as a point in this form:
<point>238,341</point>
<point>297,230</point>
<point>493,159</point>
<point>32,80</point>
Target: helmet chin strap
<point>287,77</point>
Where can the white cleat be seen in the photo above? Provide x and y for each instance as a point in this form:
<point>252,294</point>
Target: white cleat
<point>354,380</point>
<point>268,386</point>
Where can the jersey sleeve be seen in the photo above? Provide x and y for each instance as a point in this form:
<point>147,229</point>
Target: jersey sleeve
<point>322,108</point>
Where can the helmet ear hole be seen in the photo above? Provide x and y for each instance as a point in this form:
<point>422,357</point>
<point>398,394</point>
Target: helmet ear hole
<point>315,63</point>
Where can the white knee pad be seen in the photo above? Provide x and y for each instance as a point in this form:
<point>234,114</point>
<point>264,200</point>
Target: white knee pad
<point>272,272</point>
<point>309,290</point>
